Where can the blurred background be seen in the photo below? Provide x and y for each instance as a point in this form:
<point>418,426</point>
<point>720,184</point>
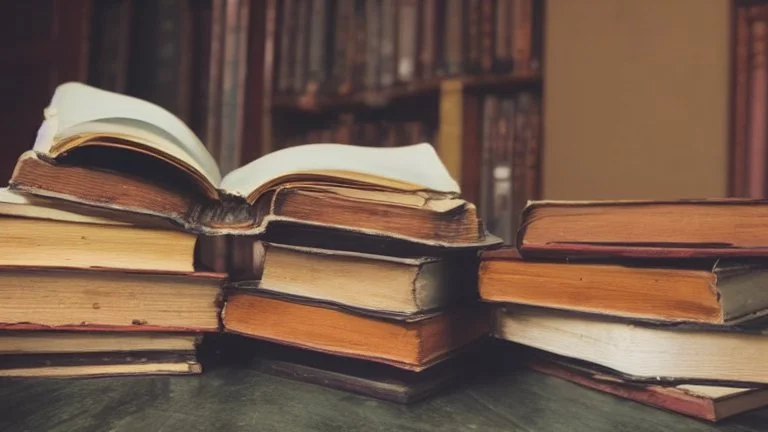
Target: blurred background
<point>523,99</point>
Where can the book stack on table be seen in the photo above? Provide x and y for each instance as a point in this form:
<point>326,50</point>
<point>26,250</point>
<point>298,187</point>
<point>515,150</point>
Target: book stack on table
<point>354,252</point>
<point>659,302</point>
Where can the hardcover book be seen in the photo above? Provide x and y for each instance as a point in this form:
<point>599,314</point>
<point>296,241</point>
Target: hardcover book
<point>114,151</point>
<point>726,291</point>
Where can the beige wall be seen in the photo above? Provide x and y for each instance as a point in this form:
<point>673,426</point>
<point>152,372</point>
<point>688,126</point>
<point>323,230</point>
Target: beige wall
<point>636,99</point>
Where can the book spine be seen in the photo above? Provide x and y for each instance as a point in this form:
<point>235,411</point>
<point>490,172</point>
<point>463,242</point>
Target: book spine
<point>427,48</point>
<point>533,153</point>
<point>473,45</point>
<point>537,36</point>
<point>453,50</point>
<point>317,45</point>
<point>521,43</point>
<point>389,39</point>
<point>503,36</point>
<point>373,40</point>
<point>343,45</point>
<point>489,114</point>
<point>233,84</point>
<point>287,41</point>
<point>110,43</point>
<point>502,170</point>
<point>300,48</point>
<point>758,134</point>
<point>162,70</point>
<point>486,35</point>
<point>519,116</point>
<point>358,60</point>
<point>407,39</point>
<point>740,120</point>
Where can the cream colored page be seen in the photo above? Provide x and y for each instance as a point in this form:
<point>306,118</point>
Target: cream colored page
<point>417,164</point>
<point>19,205</point>
<point>78,108</point>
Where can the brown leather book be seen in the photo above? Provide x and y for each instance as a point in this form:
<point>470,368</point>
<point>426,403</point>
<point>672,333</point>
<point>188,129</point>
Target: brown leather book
<point>318,47</point>
<point>487,35</point>
<point>301,47</point>
<point>474,34</point>
<point>100,300</point>
<point>428,48</point>
<point>374,50</point>
<point>161,68</point>
<point>706,402</point>
<point>390,38</point>
<point>719,293</point>
<point>522,38</point>
<point>360,45</point>
<point>645,229</point>
<point>109,45</point>
<point>407,39</point>
<point>343,50</point>
<point>453,38</point>
<point>504,36</point>
<point>420,343</point>
<point>287,42</point>
<point>155,165</point>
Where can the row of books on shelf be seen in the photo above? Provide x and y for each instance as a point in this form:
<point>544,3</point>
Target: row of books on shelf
<point>375,133</point>
<point>365,270</point>
<point>341,46</point>
<point>510,147</point>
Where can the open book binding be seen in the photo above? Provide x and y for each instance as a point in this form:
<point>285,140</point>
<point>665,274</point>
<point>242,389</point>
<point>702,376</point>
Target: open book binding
<point>113,151</point>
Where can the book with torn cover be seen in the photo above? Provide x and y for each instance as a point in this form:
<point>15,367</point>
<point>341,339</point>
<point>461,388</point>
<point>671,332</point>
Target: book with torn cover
<point>706,402</point>
<point>114,151</point>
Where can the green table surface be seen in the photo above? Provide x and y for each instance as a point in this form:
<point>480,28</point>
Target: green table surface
<point>238,398</point>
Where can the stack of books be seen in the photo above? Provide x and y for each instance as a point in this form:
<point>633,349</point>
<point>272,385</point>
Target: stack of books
<point>85,295</point>
<point>359,252</point>
<point>659,302</point>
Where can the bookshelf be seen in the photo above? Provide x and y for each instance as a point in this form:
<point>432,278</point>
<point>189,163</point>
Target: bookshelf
<point>420,71</point>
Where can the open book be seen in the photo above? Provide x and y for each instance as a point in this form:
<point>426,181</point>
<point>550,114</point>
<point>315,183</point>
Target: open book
<point>113,151</point>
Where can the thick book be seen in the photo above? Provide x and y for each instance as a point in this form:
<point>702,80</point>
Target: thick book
<point>33,233</point>
<point>114,151</point>
<point>645,229</point>
<point>362,377</point>
<point>385,285</point>
<point>86,354</point>
<point>420,342</point>
<point>101,300</point>
<point>642,352</point>
<point>711,292</point>
<point>706,402</point>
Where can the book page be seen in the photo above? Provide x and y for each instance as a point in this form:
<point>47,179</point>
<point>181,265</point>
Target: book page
<point>80,109</point>
<point>417,164</point>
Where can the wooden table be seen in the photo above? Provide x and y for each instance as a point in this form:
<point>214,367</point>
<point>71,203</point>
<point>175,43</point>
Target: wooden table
<point>237,398</point>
